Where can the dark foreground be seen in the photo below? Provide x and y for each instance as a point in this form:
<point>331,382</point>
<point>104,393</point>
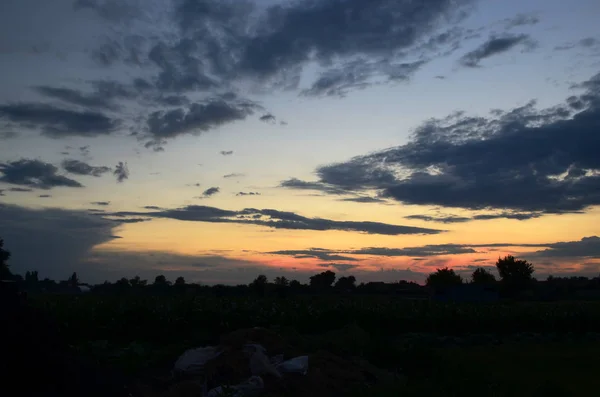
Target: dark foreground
<point>111,346</point>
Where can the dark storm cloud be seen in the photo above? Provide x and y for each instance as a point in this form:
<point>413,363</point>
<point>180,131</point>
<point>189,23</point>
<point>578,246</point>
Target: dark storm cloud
<point>331,29</point>
<point>52,241</point>
<point>56,122</point>
<point>35,174</point>
<point>82,168</point>
<point>211,191</point>
<point>494,46</point>
<point>196,119</point>
<point>226,152</point>
<point>218,42</point>
<point>587,247</point>
<point>277,220</point>
<point>121,171</point>
<point>523,162</point>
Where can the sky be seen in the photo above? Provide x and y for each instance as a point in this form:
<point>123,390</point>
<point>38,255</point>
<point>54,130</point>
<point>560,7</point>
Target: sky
<point>222,139</point>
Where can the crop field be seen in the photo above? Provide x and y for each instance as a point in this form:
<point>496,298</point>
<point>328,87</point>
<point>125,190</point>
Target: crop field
<point>498,349</point>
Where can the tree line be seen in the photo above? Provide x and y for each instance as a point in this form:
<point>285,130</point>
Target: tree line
<point>515,278</point>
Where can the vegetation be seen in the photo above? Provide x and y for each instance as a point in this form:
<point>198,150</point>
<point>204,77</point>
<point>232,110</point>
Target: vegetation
<point>443,348</point>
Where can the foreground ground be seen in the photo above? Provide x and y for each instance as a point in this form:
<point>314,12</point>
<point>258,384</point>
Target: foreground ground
<point>432,349</point>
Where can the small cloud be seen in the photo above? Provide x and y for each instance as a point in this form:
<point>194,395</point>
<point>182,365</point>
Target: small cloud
<point>226,152</point>
<point>268,118</point>
<point>248,194</point>
<point>101,203</point>
<point>211,191</point>
<point>35,174</point>
<point>233,175</point>
<point>45,196</point>
<point>82,168</point>
<point>152,207</point>
<point>20,189</point>
<point>493,46</point>
<point>121,172</point>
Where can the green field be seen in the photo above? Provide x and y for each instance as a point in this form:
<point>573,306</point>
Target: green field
<point>503,349</point>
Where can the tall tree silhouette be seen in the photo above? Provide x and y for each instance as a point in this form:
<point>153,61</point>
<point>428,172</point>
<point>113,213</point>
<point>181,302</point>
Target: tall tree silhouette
<point>443,278</point>
<point>5,273</point>
<point>515,274</point>
<point>322,280</point>
<point>482,277</point>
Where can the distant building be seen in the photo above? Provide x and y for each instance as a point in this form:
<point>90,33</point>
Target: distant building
<point>466,293</point>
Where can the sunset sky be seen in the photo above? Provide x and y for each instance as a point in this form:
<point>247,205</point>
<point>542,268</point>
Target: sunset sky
<point>221,139</point>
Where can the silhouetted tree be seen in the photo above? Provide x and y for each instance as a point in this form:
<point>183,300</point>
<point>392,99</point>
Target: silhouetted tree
<point>482,277</point>
<point>5,273</point>
<point>160,280</point>
<point>515,274</point>
<point>322,280</point>
<point>346,283</point>
<point>137,282</point>
<point>443,278</point>
<point>281,281</point>
<point>259,285</point>
<point>179,281</point>
<point>73,281</point>
<point>295,285</point>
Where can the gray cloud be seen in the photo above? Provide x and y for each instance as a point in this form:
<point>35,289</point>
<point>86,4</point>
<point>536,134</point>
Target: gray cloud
<point>268,118</point>
<point>101,203</point>
<point>461,219</point>
<point>233,175</point>
<point>53,241</point>
<point>587,247</point>
<point>247,194</point>
<point>318,253</point>
<point>275,219</point>
<point>211,191</point>
<point>295,183</point>
<point>218,43</point>
<point>121,171</point>
<point>196,119</point>
<point>34,173</point>
<point>226,152</point>
<point>20,189</point>
<point>342,267</point>
<point>55,122</point>
<point>521,20</point>
<point>364,199</point>
<point>547,155</point>
<point>493,46</point>
<point>45,196</point>
<point>587,42</point>
<point>76,97</point>
<point>82,168</point>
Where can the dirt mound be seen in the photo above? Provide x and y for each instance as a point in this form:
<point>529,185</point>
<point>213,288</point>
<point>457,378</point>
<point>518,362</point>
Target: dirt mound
<point>242,350</point>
